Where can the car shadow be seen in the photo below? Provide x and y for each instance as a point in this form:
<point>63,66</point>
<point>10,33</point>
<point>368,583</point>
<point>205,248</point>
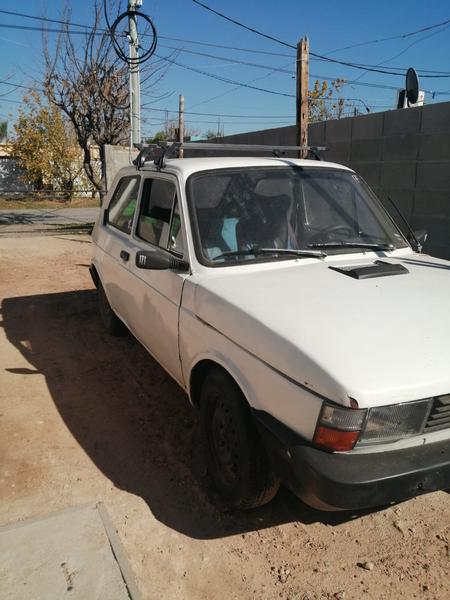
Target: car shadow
<point>129,416</point>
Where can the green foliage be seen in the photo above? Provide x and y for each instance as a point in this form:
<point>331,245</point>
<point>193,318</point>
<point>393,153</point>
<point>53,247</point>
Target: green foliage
<point>159,136</point>
<point>45,146</point>
<point>323,105</point>
<point>3,129</point>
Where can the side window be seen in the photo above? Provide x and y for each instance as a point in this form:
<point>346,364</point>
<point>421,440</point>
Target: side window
<point>156,210</point>
<point>176,243</point>
<point>123,203</point>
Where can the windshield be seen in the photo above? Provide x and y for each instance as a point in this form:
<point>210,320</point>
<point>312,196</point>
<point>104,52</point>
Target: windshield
<point>291,208</point>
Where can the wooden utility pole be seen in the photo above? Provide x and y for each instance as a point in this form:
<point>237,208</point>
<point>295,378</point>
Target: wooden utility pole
<point>181,123</point>
<point>302,94</point>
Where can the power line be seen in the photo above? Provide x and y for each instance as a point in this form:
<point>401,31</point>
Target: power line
<point>229,60</point>
<point>37,18</point>
<point>173,39</point>
<point>205,114</point>
<point>224,79</point>
<point>392,37</point>
<point>239,24</point>
<point>223,46</point>
<point>417,41</point>
<point>236,61</point>
<point>283,70</point>
<point>371,68</point>
<point>148,120</point>
<point>239,116</point>
<point>6,101</point>
<point>43,29</point>
<point>19,85</point>
<point>259,89</point>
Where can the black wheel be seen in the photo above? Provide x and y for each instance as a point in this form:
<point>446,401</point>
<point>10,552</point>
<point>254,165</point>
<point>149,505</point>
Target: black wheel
<point>237,461</point>
<point>111,322</point>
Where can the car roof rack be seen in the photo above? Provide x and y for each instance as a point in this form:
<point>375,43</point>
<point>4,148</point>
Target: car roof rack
<point>161,151</point>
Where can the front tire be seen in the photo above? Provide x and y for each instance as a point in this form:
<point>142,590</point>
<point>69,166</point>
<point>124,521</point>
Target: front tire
<point>110,320</point>
<point>237,461</point>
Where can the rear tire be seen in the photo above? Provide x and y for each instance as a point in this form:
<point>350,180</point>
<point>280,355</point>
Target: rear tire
<point>110,320</point>
<point>237,461</point>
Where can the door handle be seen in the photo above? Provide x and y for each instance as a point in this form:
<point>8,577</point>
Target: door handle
<point>124,255</point>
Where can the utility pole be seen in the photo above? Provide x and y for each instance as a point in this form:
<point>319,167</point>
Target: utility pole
<point>166,122</point>
<point>181,123</point>
<point>135,85</point>
<point>302,95</point>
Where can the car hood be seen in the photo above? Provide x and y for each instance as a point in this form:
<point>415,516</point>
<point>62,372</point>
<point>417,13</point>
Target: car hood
<point>378,341</point>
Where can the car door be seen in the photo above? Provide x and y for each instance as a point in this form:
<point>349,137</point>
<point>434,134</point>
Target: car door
<point>159,226</point>
<point>117,246</point>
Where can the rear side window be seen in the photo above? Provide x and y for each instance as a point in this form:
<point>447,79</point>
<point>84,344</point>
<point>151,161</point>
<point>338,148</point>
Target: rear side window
<point>154,221</point>
<point>123,204</point>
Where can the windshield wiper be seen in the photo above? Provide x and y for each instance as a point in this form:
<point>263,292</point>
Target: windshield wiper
<point>255,251</point>
<point>353,245</point>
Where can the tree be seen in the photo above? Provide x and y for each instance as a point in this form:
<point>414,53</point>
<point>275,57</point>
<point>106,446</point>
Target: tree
<point>210,134</point>
<point>3,130</point>
<point>160,136</point>
<point>170,133</point>
<point>322,103</point>
<point>45,146</point>
<point>87,83</point>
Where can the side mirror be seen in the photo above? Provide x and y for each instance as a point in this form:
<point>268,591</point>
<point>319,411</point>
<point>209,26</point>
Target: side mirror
<point>159,261</point>
<point>421,237</point>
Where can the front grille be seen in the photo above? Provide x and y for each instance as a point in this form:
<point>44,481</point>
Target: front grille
<point>440,414</point>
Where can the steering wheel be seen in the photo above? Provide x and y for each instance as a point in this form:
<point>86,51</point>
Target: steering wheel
<point>330,232</point>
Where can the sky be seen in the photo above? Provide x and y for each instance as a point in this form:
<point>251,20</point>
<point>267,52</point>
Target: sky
<point>330,26</point>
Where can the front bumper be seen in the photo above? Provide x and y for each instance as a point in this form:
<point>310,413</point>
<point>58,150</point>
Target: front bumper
<point>349,481</point>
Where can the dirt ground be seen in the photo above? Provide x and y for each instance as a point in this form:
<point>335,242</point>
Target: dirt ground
<point>85,417</point>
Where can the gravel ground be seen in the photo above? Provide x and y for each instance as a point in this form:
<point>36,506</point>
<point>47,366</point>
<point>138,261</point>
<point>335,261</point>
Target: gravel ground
<point>85,417</point>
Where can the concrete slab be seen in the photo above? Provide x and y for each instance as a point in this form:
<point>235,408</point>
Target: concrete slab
<point>71,554</point>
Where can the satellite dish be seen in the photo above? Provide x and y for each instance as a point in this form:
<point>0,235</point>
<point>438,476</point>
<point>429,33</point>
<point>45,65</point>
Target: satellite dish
<point>412,86</point>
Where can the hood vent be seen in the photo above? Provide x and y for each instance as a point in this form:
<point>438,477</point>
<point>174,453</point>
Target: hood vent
<point>378,269</point>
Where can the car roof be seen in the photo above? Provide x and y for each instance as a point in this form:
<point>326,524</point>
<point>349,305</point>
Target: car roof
<point>187,166</point>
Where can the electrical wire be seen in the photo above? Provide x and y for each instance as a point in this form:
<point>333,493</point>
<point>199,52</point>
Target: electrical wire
<point>207,114</point>
<point>226,47</point>
<point>248,85</point>
<point>239,24</point>
<point>363,67</point>
<point>145,56</point>
<point>284,70</point>
<point>224,79</point>
<point>391,38</point>
<point>371,68</point>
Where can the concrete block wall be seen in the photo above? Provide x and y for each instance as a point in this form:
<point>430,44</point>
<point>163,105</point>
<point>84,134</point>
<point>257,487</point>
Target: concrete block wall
<point>117,157</point>
<point>403,154</point>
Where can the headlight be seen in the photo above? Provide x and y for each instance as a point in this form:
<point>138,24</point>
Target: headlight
<point>394,422</point>
<point>340,428</point>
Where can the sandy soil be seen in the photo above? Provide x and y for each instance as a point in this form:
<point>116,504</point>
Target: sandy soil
<point>86,417</point>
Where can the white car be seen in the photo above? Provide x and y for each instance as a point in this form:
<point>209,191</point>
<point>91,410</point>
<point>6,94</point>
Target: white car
<point>284,300</point>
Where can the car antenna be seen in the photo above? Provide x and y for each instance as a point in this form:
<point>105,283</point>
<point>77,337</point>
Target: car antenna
<point>408,226</point>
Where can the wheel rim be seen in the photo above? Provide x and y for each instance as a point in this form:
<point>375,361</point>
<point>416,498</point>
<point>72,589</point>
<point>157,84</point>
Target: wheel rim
<point>223,442</point>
